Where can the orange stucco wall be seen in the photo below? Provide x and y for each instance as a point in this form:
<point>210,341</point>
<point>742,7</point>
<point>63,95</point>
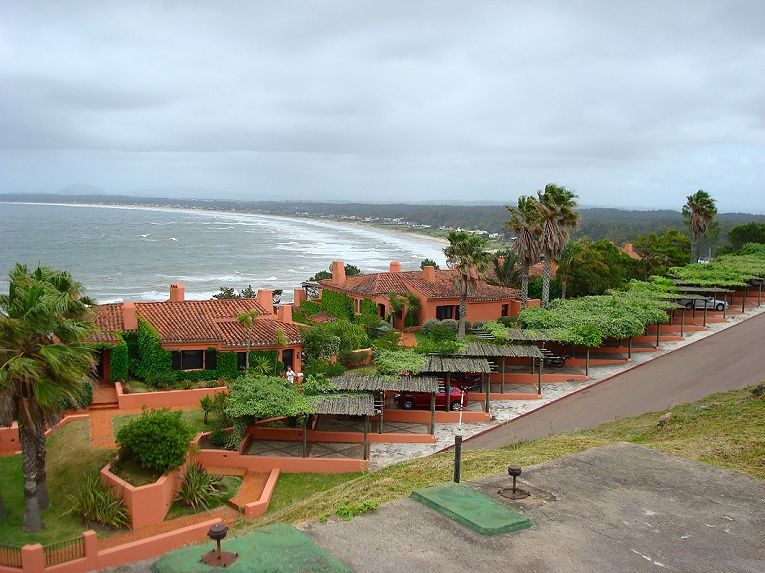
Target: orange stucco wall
<point>290,465</point>
<point>9,439</point>
<point>296,435</point>
<point>146,504</point>
<point>165,398</point>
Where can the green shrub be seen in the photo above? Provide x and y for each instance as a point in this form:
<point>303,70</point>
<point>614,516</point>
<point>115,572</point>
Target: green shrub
<point>163,379</point>
<point>509,321</point>
<point>352,359</point>
<point>347,511</point>
<point>315,385</point>
<point>337,304</point>
<point>119,361</point>
<point>394,362</point>
<point>199,488</point>
<point>218,438</point>
<point>152,358</point>
<point>96,503</point>
<point>206,404</point>
<point>439,329</point>
<point>158,439</point>
<point>322,368</point>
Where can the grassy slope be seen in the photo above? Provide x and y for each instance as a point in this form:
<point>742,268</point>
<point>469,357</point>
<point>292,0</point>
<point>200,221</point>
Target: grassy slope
<point>67,460</point>
<point>725,430</point>
<point>194,416</point>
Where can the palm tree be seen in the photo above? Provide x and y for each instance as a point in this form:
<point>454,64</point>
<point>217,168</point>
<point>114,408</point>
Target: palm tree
<point>246,320</point>
<point>44,360</point>
<point>572,255</point>
<point>412,308</point>
<point>699,211</point>
<point>556,206</point>
<point>466,253</point>
<point>523,222</point>
<point>507,271</point>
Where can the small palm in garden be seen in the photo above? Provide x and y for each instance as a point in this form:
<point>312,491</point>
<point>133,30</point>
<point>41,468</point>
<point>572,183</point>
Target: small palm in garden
<point>199,488</point>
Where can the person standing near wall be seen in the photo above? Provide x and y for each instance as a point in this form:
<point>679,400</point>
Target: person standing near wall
<point>290,374</point>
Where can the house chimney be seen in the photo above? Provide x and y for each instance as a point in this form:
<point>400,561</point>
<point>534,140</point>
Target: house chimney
<point>298,296</point>
<point>284,313</point>
<point>177,292</point>
<point>429,273</point>
<point>338,272</point>
<point>265,299</point>
<point>395,267</point>
<point>129,317</point>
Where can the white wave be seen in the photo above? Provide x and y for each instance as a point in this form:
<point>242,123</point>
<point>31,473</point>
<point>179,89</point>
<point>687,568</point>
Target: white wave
<point>173,239</point>
<point>144,236</point>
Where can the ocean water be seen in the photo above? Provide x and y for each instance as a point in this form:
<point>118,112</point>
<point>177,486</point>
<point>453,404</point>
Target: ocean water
<point>127,253</point>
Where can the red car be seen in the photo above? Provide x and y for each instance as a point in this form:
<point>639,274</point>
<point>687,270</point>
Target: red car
<point>410,400</point>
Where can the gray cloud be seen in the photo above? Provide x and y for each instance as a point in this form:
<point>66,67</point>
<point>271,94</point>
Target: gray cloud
<point>628,103</point>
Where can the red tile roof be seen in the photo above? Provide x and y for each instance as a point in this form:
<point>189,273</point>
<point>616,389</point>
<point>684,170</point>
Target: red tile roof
<point>199,321</point>
<point>442,288</point>
<point>107,320</point>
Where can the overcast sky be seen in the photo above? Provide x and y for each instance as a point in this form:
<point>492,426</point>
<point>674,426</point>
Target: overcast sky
<point>628,103</point>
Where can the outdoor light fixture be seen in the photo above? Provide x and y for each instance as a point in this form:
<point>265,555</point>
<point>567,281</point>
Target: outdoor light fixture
<point>514,492</point>
<point>216,557</point>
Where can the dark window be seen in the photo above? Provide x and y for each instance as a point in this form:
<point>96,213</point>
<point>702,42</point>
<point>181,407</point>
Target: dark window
<point>505,309</point>
<point>189,359</point>
<point>176,360</point>
<point>381,310</point>
<point>211,359</point>
<point>241,360</point>
<point>288,358</point>
<point>444,312</point>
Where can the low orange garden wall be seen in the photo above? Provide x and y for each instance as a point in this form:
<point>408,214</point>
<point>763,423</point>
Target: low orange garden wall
<point>296,435</point>
<point>442,417</point>
<point>164,398</point>
<point>33,558</point>
<point>256,508</point>
<point>146,504</point>
<point>285,464</point>
<point>9,440</point>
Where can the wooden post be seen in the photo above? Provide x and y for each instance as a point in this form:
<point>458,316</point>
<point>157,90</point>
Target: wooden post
<point>366,437</point>
<point>682,323</point>
<point>488,392</point>
<point>448,389</point>
<point>725,306</point>
<point>502,380</point>
<point>587,363</point>
<point>539,376</point>
<point>629,348</point>
<point>759,294</point>
<point>305,437</point>
<point>671,315</point>
<point>657,335</point>
<point>705,313</point>
<point>432,413</point>
<point>743,300</point>
<point>382,415</point>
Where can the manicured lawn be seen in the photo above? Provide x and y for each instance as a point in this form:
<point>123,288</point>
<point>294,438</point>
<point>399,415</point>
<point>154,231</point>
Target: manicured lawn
<point>725,430</point>
<point>69,458</point>
<point>292,488</point>
<point>194,417</point>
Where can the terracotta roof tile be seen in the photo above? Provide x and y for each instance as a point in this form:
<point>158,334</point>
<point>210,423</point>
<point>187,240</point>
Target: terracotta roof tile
<point>442,288</point>
<point>107,320</point>
<point>198,321</point>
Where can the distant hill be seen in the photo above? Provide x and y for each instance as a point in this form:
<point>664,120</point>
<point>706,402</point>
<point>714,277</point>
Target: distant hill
<point>617,225</point>
<point>80,189</point>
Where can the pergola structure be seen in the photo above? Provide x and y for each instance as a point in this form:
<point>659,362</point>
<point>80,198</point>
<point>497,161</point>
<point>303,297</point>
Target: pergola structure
<point>358,404</point>
<point>448,365</point>
<point>381,384</point>
<point>502,352</point>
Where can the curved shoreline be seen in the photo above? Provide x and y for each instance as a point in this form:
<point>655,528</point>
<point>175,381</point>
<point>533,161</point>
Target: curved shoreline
<point>351,224</point>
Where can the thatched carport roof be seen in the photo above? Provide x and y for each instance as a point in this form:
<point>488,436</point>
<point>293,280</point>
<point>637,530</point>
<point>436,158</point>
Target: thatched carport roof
<point>361,404</point>
<point>478,349</point>
<point>446,364</point>
<point>692,289</point>
<point>351,383</point>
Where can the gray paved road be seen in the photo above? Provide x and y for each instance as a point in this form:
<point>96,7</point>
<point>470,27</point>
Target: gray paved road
<point>730,359</point>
